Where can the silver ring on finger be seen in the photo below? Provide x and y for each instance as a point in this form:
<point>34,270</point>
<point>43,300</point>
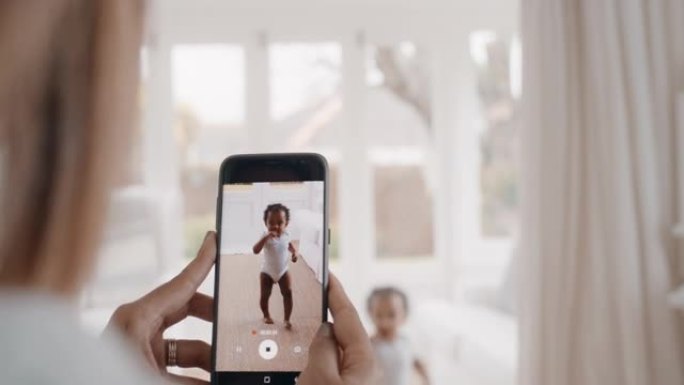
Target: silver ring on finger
<point>171,353</point>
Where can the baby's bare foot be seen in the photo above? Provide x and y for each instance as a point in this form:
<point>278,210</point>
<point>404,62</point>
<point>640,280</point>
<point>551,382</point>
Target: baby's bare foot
<point>268,320</point>
<point>288,325</point>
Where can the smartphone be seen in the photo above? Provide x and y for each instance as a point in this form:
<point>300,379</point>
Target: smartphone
<point>272,267</point>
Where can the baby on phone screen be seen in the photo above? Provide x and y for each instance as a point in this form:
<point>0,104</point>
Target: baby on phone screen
<point>277,249</point>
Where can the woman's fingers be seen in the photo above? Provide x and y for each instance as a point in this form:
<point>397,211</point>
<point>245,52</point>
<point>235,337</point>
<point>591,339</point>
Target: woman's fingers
<point>348,328</point>
<point>324,348</point>
<point>193,354</point>
<point>200,306</point>
<point>176,293</point>
<point>175,378</point>
<point>349,333</point>
<point>340,353</point>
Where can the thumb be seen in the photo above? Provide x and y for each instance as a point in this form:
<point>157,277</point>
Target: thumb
<point>324,353</point>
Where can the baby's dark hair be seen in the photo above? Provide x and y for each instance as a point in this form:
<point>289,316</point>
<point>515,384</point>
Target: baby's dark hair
<point>274,208</point>
<point>385,292</point>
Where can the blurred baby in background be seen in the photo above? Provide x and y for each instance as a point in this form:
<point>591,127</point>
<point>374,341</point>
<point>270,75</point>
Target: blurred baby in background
<point>388,308</point>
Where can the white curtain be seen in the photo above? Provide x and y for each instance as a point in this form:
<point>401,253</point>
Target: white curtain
<point>599,88</point>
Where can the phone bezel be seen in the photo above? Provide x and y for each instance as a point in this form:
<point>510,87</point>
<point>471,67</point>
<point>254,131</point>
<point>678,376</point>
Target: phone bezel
<point>246,168</point>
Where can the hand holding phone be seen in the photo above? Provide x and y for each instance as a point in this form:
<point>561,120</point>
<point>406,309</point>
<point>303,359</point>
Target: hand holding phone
<point>145,320</point>
<point>356,364</point>
<point>272,210</point>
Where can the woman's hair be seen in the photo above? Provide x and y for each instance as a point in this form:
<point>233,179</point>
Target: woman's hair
<point>385,292</point>
<point>274,208</point>
<point>68,79</point>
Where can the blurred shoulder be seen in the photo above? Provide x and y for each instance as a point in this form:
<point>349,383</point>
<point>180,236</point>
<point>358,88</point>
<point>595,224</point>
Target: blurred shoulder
<point>43,343</point>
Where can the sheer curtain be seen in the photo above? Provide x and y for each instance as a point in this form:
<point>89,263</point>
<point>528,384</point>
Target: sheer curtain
<point>600,84</point>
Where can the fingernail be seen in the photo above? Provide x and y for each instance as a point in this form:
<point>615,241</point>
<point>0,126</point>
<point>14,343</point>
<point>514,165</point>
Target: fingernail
<point>326,329</point>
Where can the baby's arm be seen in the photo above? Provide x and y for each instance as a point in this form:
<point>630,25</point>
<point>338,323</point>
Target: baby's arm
<point>294,251</point>
<point>422,371</point>
<point>261,242</point>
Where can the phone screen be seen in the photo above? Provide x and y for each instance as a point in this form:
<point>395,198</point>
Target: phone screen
<point>272,271</point>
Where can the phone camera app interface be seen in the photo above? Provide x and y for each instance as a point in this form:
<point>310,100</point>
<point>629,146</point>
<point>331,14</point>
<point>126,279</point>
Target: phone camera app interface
<point>271,274</point>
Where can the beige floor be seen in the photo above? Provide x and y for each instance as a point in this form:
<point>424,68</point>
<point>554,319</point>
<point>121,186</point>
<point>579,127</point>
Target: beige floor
<point>240,318</point>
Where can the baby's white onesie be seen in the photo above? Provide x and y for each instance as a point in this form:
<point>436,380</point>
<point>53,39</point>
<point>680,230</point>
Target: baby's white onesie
<point>275,256</point>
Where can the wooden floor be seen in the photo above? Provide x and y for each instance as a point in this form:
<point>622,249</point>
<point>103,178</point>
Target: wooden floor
<point>240,318</point>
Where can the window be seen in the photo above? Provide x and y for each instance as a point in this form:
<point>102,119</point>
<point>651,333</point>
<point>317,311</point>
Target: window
<point>498,74</point>
<point>400,139</point>
<point>305,87</point>
<point>128,258</point>
<point>209,114</point>
<point>133,173</point>
<point>306,107</point>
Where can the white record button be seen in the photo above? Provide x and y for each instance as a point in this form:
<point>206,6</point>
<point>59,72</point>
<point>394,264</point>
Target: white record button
<point>268,349</point>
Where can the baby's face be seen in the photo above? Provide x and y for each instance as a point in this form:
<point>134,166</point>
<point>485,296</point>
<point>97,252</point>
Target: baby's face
<point>276,222</point>
<point>388,313</point>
